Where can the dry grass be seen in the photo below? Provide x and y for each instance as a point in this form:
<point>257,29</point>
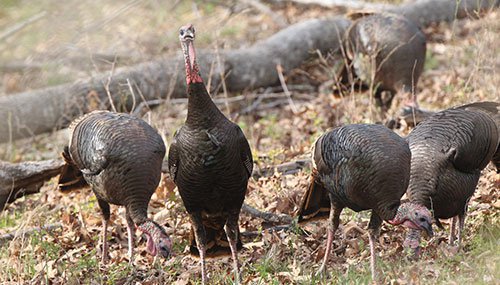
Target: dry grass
<point>462,66</point>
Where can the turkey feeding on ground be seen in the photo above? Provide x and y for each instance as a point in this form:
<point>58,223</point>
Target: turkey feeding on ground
<point>387,51</point>
<point>210,162</point>
<point>362,167</point>
<point>120,157</point>
<point>449,151</point>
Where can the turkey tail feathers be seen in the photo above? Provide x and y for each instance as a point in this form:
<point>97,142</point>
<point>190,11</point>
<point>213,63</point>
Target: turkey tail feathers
<point>315,204</point>
<point>71,178</point>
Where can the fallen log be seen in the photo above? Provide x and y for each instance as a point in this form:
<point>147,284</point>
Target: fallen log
<point>20,179</point>
<point>34,112</point>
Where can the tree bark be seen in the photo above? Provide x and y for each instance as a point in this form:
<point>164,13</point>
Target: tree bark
<point>19,179</point>
<point>34,112</point>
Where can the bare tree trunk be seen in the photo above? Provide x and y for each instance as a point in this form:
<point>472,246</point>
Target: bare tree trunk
<point>19,179</point>
<point>34,112</point>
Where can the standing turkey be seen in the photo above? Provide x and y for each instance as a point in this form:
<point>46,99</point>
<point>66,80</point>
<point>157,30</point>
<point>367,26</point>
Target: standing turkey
<point>449,150</point>
<point>210,162</point>
<point>120,157</point>
<point>362,167</point>
<point>387,51</point>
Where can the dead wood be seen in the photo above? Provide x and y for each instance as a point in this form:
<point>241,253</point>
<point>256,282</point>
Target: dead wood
<point>334,4</point>
<point>19,67</point>
<point>19,26</point>
<point>21,115</point>
<point>266,216</point>
<point>254,234</point>
<point>27,232</point>
<point>286,168</point>
<point>34,112</point>
<point>19,179</point>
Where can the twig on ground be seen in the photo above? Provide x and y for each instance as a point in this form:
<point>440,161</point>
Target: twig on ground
<point>266,216</point>
<point>286,168</point>
<point>19,26</point>
<point>19,67</point>
<point>255,234</point>
<point>279,68</point>
<point>277,19</point>
<point>14,234</point>
<point>132,93</point>
<point>139,110</point>
<point>106,86</point>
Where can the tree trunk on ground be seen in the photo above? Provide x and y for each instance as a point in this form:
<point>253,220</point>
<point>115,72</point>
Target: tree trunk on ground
<point>34,112</point>
<point>19,179</point>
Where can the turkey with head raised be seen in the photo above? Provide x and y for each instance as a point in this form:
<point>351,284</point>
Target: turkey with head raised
<point>362,167</point>
<point>210,162</point>
<point>120,157</point>
<point>387,51</point>
<point>449,151</point>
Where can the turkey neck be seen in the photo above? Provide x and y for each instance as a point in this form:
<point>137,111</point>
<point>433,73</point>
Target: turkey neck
<point>422,176</point>
<point>202,111</point>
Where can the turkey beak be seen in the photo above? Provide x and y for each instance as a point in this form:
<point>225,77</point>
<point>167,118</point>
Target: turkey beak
<point>164,251</point>
<point>428,229</point>
<point>165,248</point>
<point>186,36</point>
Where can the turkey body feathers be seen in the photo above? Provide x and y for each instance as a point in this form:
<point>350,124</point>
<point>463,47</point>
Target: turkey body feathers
<point>397,45</point>
<point>449,150</point>
<point>364,167</point>
<point>387,51</point>
<point>210,167</point>
<point>210,162</point>
<point>120,156</point>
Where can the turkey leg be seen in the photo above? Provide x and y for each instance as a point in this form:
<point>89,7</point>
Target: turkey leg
<point>374,231</point>
<point>104,232</point>
<point>201,240</point>
<point>461,222</point>
<point>333,224</point>
<point>231,229</point>
<point>452,229</point>
<point>130,236</point>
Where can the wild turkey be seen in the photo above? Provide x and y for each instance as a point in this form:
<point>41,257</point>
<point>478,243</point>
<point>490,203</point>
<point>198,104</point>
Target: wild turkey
<point>363,167</point>
<point>397,48</point>
<point>210,161</point>
<point>449,150</point>
<point>120,157</point>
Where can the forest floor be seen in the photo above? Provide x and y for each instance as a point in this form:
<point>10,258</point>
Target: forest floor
<point>462,65</point>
